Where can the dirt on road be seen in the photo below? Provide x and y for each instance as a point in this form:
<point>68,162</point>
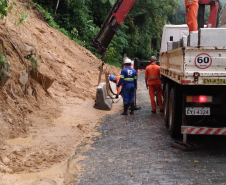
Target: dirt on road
<point>44,114</point>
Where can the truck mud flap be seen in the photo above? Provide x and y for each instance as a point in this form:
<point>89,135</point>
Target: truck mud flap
<point>185,146</point>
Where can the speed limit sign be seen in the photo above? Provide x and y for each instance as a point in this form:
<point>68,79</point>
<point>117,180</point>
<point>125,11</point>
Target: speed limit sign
<point>203,61</point>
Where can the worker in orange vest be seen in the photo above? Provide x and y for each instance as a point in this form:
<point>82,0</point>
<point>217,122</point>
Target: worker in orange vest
<point>153,82</point>
<point>192,7</point>
<point>116,79</point>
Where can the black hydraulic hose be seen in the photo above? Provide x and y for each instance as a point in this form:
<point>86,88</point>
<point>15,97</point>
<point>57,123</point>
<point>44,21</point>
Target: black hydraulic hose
<point>111,89</point>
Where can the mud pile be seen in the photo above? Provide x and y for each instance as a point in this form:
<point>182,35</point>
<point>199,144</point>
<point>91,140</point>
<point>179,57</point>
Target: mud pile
<point>51,77</point>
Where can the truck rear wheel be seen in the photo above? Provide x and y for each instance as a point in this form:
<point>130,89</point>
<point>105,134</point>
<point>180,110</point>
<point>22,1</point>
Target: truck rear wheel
<point>174,113</point>
<point>166,104</point>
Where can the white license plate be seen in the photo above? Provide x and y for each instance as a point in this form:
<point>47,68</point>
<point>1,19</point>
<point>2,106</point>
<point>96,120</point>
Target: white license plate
<point>197,111</point>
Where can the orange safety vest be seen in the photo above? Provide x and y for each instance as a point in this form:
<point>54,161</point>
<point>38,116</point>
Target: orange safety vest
<point>117,81</point>
<point>152,74</point>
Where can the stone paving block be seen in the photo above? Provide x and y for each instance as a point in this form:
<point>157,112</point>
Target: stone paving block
<point>193,39</point>
<point>212,37</point>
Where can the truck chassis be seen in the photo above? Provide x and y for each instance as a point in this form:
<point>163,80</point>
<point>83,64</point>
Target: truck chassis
<point>194,85</point>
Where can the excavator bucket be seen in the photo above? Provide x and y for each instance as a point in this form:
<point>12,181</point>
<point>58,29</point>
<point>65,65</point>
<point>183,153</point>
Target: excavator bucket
<point>103,101</point>
<point>105,95</point>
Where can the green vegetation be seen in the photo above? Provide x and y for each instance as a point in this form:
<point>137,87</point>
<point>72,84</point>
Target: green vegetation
<point>3,8</point>
<point>80,20</point>
<point>34,63</point>
<point>2,60</point>
<point>6,7</point>
<point>19,12</point>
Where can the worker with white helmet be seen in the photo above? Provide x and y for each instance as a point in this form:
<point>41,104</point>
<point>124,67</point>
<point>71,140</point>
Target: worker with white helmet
<point>128,79</point>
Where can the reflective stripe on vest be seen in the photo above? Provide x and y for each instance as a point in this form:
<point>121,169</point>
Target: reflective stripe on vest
<point>122,76</point>
<point>152,77</point>
<point>189,1</point>
<point>135,77</point>
<point>128,79</point>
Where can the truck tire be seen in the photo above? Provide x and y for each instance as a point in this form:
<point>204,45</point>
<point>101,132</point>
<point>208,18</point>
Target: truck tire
<point>175,113</point>
<point>166,104</point>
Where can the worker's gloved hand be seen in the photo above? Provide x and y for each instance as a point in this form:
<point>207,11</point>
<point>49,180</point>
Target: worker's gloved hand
<point>116,96</point>
<point>187,9</point>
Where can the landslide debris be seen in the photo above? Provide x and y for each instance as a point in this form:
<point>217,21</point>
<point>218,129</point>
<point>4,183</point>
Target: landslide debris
<point>48,72</point>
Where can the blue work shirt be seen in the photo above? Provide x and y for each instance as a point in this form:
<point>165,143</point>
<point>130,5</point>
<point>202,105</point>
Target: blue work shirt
<point>128,78</point>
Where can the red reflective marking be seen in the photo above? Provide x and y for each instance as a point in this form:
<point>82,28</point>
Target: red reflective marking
<point>217,131</point>
<point>200,130</point>
<point>191,130</point>
<point>208,131</point>
<point>183,129</point>
<point>195,99</point>
<point>185,81</point>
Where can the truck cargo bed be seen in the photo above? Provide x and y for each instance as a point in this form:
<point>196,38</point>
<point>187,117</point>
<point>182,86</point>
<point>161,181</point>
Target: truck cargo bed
<point>195,65</point>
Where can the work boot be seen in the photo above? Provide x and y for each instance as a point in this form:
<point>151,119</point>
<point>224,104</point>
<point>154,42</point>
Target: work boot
<point>126,106</point>
<point>132,108</point>
<point>153,111</point>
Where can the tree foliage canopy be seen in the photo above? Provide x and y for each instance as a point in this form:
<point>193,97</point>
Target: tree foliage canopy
<point>80,20</point>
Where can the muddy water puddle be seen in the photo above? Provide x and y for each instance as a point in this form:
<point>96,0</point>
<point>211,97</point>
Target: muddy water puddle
<point>19,141</point>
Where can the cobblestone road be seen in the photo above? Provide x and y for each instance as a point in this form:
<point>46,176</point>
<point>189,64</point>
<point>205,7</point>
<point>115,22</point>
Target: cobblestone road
<point>136,150</point>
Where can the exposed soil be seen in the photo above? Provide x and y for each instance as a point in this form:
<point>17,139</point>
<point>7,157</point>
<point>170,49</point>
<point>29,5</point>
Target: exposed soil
<point>43,120</point>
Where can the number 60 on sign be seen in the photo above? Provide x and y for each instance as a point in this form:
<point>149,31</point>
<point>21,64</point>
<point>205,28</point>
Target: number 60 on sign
<point>203,61</point>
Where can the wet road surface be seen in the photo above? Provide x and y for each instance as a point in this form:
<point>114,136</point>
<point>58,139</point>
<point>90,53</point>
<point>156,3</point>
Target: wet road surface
<point>136,150</point>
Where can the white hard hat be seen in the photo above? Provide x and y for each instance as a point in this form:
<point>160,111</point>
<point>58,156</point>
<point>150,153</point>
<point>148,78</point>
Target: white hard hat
<point>128,61</point>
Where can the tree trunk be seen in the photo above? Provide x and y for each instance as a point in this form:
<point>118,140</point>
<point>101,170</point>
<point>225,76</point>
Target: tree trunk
<point>58,1</point>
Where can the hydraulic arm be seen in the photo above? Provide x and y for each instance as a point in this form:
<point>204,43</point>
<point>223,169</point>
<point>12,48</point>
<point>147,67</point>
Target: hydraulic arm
<point>111,25</point>
<point>214,13</point>
<point>120,10</point>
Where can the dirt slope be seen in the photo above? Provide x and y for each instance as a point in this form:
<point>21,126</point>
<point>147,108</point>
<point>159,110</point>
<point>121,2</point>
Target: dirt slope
<point>40,127</point>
